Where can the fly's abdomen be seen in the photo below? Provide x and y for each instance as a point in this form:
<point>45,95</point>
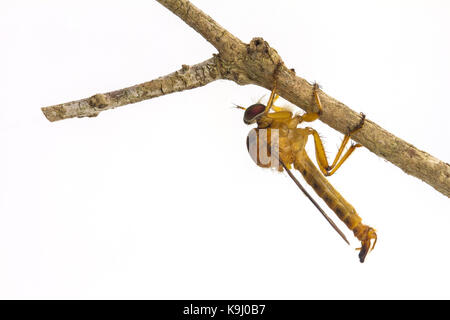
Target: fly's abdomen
<point>335,201</point>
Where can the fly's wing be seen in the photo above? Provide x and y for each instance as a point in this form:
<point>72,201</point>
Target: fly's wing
<point>335,227</point>
<point>261,150</point>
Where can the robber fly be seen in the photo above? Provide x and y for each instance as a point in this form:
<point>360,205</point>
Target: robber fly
<point>278,142</point>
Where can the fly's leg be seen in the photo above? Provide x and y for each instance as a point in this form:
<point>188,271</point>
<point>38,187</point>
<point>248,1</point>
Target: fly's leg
<point>273,95</point>
<point>332,169</point>
<point>274,107</point>
<point>312,116</point>
<point>321,157</point>
<point>279,113</point>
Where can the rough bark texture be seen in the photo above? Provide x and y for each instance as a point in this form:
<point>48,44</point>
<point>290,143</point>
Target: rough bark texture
<point>188,77</point>
<point>255,63</point>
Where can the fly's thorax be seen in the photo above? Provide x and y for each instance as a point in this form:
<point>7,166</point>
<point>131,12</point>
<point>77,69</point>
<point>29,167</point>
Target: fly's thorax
<point>264,122</point>
<point>294,122</point>
<point>298,138</point>
<point>285,148</point>
<point>284,130</point>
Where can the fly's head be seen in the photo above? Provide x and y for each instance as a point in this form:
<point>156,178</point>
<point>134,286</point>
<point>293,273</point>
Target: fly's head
<point>256,114</point>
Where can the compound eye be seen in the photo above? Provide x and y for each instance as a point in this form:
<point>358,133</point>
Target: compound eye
<point>253,112</point>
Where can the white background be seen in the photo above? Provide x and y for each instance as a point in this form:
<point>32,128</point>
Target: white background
<point>160,200</point>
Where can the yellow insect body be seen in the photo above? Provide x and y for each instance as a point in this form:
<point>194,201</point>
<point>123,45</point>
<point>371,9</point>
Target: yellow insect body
<point>279,131</point>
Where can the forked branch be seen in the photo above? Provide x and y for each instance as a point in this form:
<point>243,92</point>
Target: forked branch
<point>254,63</point>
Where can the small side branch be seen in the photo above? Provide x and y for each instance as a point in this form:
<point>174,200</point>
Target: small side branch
<point>188,77</point>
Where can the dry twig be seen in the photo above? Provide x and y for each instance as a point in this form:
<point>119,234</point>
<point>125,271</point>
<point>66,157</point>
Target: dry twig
<point>254,63</point>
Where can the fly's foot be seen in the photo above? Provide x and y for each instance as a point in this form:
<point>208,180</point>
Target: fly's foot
<point>316,86</point>
<point>359,125</point>
<point>277,70</point>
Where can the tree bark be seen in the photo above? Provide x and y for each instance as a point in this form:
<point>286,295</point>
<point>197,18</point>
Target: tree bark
<point>255,63</point>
